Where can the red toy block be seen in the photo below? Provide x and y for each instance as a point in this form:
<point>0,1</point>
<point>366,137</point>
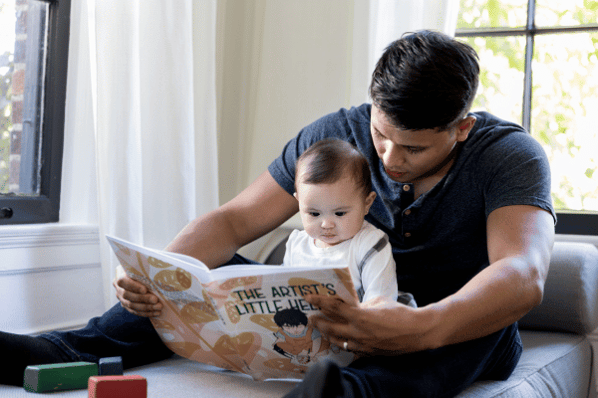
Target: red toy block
<point>130,386</point>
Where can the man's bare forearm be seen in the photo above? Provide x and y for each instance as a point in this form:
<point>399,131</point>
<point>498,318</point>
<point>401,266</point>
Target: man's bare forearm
<point>497,297</point>
<point>215,237</point>
<point>209,238</point>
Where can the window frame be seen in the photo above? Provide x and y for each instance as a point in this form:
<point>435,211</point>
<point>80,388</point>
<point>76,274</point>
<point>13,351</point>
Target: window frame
<point>45,208</point>
<point>569,222</point>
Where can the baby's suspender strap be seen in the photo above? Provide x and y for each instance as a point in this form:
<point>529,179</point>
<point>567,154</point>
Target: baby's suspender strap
<point>377,248</point>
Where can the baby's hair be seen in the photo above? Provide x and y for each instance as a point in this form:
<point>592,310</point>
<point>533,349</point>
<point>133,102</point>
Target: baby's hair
<point>329,160</point>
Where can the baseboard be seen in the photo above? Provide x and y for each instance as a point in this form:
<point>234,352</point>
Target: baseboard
<point>50,277</point>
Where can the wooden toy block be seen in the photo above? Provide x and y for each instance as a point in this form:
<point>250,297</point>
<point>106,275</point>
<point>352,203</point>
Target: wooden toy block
<point>112,366</point>
<point>129,386</point>
<point>58,376</point>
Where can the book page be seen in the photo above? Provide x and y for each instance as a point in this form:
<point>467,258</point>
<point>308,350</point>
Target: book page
<point>189,323</point>
<point>268,318</point>
<point>248,318</point>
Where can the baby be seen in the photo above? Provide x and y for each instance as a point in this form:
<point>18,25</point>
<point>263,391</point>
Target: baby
<point>334,190</point>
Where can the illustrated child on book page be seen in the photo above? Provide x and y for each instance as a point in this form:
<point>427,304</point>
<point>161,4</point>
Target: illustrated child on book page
<point>334,189</point>
<point>296,338</point>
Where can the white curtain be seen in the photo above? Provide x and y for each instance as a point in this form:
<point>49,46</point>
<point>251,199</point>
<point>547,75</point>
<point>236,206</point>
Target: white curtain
<point>388,21</point>
<point>153,101</point>
<point>140,135</point>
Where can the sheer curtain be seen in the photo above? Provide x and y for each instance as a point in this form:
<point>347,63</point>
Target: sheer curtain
<point>153,102</point>
<point>140,139</point>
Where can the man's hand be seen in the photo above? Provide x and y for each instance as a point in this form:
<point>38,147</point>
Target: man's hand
<point>134,297</point>
<point>375,327</point>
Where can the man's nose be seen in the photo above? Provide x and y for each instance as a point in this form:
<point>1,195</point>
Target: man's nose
<point>392,156</point>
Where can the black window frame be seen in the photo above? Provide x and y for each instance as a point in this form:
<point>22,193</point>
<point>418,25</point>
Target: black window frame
<point>45,208</point>
<point>569,222</point>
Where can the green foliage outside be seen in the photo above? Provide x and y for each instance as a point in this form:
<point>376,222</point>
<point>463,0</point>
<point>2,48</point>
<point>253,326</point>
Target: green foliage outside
<point>6,69</point>
<point>564,111</point>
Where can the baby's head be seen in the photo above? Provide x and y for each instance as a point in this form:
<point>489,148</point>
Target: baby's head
<point>329,160</point>
<point>334,188</point>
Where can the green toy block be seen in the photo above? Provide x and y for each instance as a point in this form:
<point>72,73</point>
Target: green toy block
<point>59,376</point>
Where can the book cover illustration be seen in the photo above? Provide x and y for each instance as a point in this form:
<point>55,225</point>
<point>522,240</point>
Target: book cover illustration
<point>251,319</point>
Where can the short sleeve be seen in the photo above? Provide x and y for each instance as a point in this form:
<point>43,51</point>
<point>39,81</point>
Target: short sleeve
<point>518,173</point>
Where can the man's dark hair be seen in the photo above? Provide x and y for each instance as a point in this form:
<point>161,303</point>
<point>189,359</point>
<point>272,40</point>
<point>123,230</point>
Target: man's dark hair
<point>290,317</point>
<point>329,160</point>
<point>425,80</point>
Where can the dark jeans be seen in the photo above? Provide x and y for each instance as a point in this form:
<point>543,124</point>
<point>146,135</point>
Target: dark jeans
<point>443,372</point>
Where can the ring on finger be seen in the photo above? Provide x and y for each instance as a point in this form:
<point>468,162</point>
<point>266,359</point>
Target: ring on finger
<point>346,345</point>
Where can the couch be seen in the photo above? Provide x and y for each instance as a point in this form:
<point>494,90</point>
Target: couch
<point>557,359</point>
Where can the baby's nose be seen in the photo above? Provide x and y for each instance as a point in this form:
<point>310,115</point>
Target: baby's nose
<point>327,223</point>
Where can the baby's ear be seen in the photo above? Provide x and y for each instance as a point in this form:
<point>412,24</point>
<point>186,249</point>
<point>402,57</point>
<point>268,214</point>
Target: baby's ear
<point>369,200</point>
<point>295,195</point>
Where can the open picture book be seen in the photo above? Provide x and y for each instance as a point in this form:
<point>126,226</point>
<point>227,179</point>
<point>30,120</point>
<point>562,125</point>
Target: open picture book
<point>247,318</point>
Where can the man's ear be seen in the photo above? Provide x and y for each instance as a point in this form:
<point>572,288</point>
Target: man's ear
<point>369,201</point>
<point>464,127</point>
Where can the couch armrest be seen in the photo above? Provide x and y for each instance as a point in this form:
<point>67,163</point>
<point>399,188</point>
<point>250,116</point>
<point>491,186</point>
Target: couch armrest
<point>570,301</point>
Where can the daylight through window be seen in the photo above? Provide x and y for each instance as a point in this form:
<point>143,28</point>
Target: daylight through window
<point>33,64</point>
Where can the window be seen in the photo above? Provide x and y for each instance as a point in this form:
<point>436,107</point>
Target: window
<point>539,61</point>
<point>34,37</point>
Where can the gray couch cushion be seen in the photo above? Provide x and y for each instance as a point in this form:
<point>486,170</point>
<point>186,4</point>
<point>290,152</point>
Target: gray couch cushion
<point>570,301</point>
<point>552,365</point>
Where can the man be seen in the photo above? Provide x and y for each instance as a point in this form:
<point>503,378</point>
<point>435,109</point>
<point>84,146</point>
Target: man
<point>465,200</point>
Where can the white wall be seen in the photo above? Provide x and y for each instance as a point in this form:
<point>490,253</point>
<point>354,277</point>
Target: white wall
<point>281,65</point>
<point>50,277</point>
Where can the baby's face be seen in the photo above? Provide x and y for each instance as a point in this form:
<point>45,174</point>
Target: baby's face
<point>332,213</point>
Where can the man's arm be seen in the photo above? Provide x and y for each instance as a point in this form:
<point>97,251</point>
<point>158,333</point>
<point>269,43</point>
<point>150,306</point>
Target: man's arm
<point>520,240</point>
<point>216,236</point>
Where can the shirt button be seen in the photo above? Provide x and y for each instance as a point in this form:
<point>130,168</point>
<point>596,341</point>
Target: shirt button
<point>407,212</point>
<point>407,234</point>
<point>406,188</point>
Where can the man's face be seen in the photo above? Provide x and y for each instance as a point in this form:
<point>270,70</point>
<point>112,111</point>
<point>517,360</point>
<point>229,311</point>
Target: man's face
<point>408,155</point>
<point>332,213</point>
